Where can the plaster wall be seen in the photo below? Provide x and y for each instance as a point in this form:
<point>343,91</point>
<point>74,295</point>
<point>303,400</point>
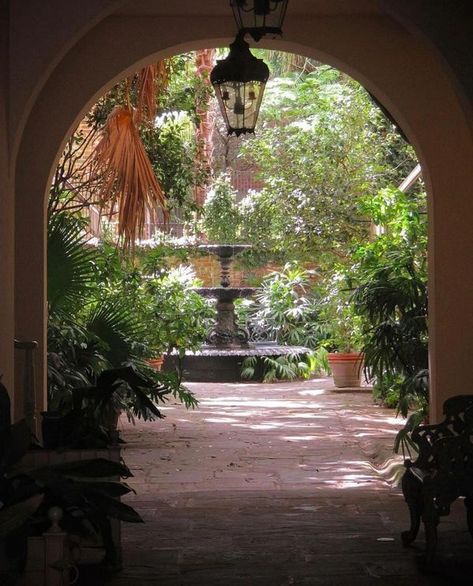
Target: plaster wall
<point>448,27</point>
<point>6,217</point>
<point>401,68</point>
<point>41,34</point>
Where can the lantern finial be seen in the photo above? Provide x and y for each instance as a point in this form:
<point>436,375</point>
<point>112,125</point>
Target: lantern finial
<point>259,17</point>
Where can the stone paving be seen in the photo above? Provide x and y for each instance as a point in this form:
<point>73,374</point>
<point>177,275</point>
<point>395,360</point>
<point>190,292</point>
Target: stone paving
<point>274,485</point>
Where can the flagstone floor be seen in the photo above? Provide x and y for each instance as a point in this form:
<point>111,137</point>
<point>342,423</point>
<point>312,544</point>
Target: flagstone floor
<point>275,485</point>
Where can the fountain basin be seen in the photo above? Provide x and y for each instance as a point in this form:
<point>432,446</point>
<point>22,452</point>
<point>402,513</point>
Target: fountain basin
<point>224,363</point>
<point>224,250</point>
<point>225,293</point>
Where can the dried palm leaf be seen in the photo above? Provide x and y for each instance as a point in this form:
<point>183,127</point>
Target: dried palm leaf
<point>128,177</point>
<point>162,77</point>
<point>146,106</point>
<point>152,81</point>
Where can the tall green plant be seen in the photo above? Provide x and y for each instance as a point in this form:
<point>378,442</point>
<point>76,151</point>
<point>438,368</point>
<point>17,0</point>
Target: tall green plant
<point>71,264</point>
<point>181,316</point>
<point>285,310</point>
<point>87,331</point>
<point>339,322</point>
<point>393,301</point>
<point>391,298</point>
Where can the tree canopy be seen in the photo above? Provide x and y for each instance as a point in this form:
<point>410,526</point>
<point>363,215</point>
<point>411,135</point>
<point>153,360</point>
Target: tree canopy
<point>321,145</point>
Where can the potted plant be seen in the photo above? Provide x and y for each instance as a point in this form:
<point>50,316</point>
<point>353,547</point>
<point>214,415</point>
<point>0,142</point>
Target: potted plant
<point>86,492</point>
<point>90,420</point>
<point>157,362</point>
<point>343,331</point>
<point>346,368</point>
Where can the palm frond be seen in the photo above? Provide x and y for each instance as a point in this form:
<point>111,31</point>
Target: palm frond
<point>248,369</point>
<point>114,322</point>
<point>129,179</point>
<point>152,81</point>
<point>144,406</point>
<point>71,271</point>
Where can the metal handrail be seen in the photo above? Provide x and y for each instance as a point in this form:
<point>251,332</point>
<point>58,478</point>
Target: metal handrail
<point>29,391</point>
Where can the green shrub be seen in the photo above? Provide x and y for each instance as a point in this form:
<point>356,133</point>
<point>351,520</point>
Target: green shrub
<point>179,315</point>
<point>105,313</point>
<point>285,309</point>
<point>270,368</point>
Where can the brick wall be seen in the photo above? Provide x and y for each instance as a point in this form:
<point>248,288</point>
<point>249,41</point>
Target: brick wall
<point>207,269</point>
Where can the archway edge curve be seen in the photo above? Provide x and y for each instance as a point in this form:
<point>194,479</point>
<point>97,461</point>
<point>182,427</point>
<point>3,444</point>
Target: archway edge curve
<point>392,63</point>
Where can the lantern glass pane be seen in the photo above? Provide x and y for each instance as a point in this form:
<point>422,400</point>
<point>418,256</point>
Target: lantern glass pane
<point>240,103</point>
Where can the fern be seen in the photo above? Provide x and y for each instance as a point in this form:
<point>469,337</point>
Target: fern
<point>287,367</point>
<point>248,367</point>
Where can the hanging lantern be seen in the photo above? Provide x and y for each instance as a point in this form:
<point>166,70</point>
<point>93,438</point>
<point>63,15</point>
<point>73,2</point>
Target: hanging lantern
<point>259,17</point>
<point>239,81</point>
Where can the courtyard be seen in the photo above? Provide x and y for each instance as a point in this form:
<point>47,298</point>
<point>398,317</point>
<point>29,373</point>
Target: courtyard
<point>369,107</point>
<point>276,484</point>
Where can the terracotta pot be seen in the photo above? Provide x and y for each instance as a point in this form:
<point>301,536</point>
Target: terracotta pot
<point>346,368</point>
<point>156,363</point>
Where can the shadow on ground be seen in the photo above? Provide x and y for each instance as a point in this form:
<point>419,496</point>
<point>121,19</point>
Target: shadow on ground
<point>274,485</point>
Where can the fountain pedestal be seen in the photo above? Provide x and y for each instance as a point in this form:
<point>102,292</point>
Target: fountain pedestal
<point>226,333</point>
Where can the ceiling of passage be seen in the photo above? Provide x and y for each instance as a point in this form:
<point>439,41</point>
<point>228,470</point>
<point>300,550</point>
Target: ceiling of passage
<point>222,7</point>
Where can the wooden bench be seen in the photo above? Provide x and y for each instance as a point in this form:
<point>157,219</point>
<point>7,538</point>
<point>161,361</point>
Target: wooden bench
<point>442,472</point>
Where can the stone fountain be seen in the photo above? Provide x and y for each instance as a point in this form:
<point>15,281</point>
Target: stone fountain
<point>227,345</point>
<point>226,333</point>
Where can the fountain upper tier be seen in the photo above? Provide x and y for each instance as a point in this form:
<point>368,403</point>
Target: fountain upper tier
<point>225,254</point>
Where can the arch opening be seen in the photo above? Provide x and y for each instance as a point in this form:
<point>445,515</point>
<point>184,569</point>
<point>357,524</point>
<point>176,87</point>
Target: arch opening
<point>342,43</point>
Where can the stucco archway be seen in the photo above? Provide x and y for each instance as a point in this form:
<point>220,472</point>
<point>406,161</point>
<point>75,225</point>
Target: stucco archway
<point>400,68</point>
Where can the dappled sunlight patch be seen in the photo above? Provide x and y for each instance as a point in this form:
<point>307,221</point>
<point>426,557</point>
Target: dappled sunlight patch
<point>351,481</point>
<point>256,425</point>
<point>265,403</point>
<point>370,419</point>
<point>312,392</point>
<point>349,465</point>
<point>300,438</point>
<point>290,420</point>
<point>302,425</point>
<point>278,424</point>
<point>375,432</point>
<point>321,465</point>
<point>304,416</point>
<point>395,420</point>
<point>221,420</point>
<point>228,411</point>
